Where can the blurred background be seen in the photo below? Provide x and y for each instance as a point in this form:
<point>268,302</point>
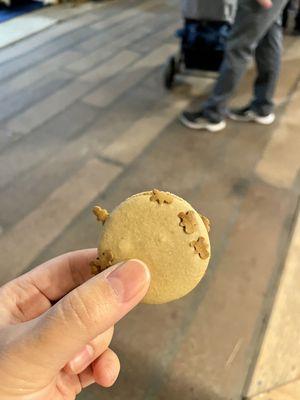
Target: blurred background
<point>89,104</point>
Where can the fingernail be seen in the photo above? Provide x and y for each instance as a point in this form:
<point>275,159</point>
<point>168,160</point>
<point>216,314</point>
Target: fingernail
<point>129,279</point>
<point>82,360</point>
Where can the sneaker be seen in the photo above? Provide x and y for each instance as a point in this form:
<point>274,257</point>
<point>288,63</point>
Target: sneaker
<point>196,120</point>
<point>247,114</point>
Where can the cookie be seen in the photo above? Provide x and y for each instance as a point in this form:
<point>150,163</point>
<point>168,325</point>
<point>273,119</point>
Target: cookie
<point>166,233</point>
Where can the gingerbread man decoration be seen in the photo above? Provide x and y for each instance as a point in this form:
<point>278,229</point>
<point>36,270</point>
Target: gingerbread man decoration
<point>206,222</point>
<point>161,197</point>
<point>188,221</point>
<point>103,261</point>
<point>201,247</point>
<point>100,213</point>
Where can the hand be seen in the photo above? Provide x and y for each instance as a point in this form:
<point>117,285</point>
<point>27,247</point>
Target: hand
<point>56,324</point>
<point>265,3</point>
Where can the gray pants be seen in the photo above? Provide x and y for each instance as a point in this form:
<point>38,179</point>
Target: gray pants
<point>256,32</point>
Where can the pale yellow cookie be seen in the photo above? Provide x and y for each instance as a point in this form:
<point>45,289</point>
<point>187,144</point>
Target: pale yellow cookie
<point>166,233</point>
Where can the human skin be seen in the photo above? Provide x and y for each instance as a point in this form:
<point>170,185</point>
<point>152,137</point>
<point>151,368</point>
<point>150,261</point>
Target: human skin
<point>265,3</point>
<point>56,325</point>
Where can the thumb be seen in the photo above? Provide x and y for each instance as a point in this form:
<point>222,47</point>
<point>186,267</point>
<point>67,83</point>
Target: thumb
<point>86,312</point>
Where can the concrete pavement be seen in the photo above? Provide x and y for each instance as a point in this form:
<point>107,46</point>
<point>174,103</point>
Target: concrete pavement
<point>84,119</point>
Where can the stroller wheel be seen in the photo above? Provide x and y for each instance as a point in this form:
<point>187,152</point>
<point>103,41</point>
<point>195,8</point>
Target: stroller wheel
<point>170,72</point>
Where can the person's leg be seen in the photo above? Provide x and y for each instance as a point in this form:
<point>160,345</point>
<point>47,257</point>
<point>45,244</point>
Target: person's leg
<point>285,14</point>
<point>297,21</point>
<point>251,24</point>
<point>267,57</point>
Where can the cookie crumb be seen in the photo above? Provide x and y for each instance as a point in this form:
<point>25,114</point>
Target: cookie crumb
<point>206,222</point>
<point>95,268</point>
<point>201,247</point>
<point>188,221</point>
<point>100,213</point>
<point>102,262</point>
<point>161,197</point>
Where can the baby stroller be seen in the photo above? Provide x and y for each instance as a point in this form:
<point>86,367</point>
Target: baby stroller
<point>207,24</point>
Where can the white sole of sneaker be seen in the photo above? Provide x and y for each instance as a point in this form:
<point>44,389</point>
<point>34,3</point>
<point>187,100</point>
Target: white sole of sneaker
<point>268,120</point>
<point>251,117</point>
<point>202,126</point>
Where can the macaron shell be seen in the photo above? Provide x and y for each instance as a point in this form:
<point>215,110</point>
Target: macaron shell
<point>143,229</point>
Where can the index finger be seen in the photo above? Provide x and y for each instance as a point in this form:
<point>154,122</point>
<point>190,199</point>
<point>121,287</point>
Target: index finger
<point>56,277</point>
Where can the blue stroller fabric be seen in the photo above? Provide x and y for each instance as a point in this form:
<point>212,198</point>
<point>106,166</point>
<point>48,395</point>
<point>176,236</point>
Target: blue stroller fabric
<point>17,9</point>
<point>208,34</point>
<point>203,43</point>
